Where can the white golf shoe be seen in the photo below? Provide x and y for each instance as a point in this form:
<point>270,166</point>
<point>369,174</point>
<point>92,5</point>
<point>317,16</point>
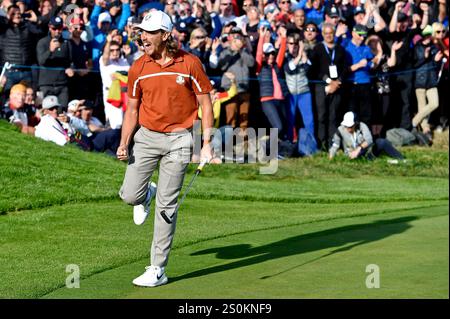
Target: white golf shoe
<point>141,211</point>
<point>152,277</point>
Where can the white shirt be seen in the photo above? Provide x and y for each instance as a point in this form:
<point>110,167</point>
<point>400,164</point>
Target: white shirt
<point>106,71</point>
<point>49,129</point>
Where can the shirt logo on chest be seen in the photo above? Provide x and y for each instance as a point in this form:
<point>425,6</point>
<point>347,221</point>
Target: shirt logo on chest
<point>180,80</point>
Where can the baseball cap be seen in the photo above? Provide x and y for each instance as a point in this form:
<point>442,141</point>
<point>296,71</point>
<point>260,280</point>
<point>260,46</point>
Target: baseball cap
<point>73,105</point>
<point>156,20</point>
<point>56,22</point>
<point>268,47</point>
<point>50,101</point>
<point>236,30</point>
<point>349,119</point>
<point>104,17</point>
<point>270,8</point>
<point>360,29</point>
<point>181,26</point>
<point>332,11</point>
<point>358,10</point>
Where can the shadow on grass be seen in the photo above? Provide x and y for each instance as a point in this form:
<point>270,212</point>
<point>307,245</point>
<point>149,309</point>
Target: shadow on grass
<point>343,238</point>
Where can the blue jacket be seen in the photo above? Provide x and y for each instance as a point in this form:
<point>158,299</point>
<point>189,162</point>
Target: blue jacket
<point>266,81</point>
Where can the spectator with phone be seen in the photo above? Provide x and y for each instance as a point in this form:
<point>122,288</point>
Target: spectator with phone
<point>55,52</point>
<point>237,59</point>
<point>18,37</point>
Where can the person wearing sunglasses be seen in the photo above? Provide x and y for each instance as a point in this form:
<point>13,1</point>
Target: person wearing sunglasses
<point>310,34</point>
<point>50,128</point>
<point>441,40</point>
<point>198,44</point>
<point>285,15</point>
<point>296,67</point>
<point>361,61</point>
<point>272,85</point>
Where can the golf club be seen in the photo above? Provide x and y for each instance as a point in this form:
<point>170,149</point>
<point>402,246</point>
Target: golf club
<point>197,172</point>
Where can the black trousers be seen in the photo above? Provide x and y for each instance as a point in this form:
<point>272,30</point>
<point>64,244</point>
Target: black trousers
<point>360,102</point>
<point>327,110</point>
<point>382,146</point>
<point>401,93</point>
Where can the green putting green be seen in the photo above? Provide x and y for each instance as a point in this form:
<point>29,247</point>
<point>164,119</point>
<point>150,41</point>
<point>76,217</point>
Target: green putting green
<point>315,260</point>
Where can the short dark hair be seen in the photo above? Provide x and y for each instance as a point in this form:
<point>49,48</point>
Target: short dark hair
<point>114,43</point>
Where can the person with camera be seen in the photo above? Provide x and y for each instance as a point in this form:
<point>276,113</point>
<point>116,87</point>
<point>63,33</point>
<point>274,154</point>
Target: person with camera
<point>237,59</point>
<point>54,53</point>
<point>19,34</point>
<point>357,142</point>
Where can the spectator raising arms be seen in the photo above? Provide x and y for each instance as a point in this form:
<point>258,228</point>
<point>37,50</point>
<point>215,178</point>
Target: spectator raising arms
<point>236,58</point>
<point>272,84</point>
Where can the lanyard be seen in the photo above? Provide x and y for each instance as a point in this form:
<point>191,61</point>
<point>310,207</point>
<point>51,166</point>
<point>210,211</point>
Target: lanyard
<point>328,52</point>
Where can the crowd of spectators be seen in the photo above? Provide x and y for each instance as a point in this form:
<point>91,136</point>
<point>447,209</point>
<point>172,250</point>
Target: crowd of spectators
<point>284,64</point>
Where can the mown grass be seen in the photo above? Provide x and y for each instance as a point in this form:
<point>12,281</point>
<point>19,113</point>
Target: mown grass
<point>59,206</point>
<point>35,174</point>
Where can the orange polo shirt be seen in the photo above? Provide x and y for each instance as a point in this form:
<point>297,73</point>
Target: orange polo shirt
<point>167,93</point>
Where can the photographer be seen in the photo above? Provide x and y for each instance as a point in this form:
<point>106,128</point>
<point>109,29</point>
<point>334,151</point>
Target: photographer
<point>236,58</point>
<point>54,52</point>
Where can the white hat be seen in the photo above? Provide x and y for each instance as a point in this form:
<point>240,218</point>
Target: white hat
<point>73,105</point>
<point>349,119</point>
<point>104,17</point>
<point>50,101</point>
<point>156,20</point>
<point>268,47</point>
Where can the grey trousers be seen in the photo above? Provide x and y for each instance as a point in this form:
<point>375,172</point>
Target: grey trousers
<point>173,152</point>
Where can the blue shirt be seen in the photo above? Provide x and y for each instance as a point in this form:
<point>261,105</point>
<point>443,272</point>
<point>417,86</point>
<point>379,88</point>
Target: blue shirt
<point>353,56</point>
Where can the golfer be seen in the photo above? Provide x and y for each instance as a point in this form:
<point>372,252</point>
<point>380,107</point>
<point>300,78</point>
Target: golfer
<point>165,87</point>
